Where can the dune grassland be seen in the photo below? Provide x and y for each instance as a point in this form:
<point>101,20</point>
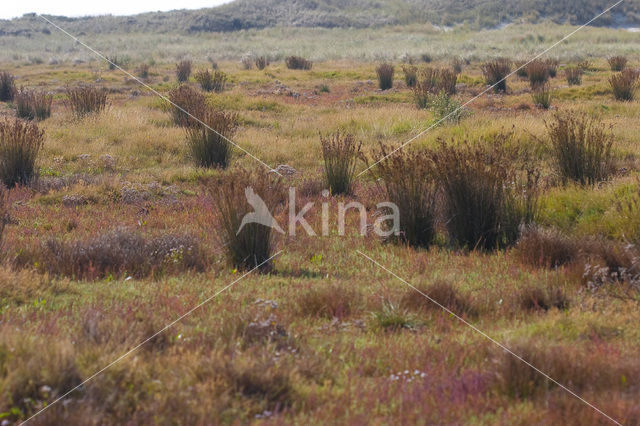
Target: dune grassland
<point>520,213</point>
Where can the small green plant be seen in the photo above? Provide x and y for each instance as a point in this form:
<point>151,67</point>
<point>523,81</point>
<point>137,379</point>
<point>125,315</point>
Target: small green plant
<point>446,109</point>
<point>249,245</point>
<point>624,84</point>
<point>490,190</point>
<point>410,184</point>
<point>581,148</point>
<point>85,100</point>
<point>340,154</point>
<point>7,86</point>
<point>187,103</point>
<point>617,63</point>
<point>31,104</point>
<point>495,73</point>
<point>209,81</point>
<point>392,317</point>
<point>297,63</point>
<point>385,73</point>
<point>183,70</point>
<point>20,144</point>
<point>574,75</point>
<point>210,145</point>
<point>541,95</point>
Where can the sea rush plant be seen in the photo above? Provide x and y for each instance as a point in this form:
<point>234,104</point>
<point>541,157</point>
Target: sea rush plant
<point>209,81</point>
<point>20,144</point>
<point>7,86</point>
<point>624,84</point>
<point>297,63</point>
<point>385,73</point>
<point>574,75</point>
<point>251,245</point>
<point>31,104</point>
<point>85,100</point>
<point>495,73</point>
<point>183,70</point>
<point>190,103</point>
<point>209,145</point>
<point>617,63</point>
<point>340,154</point>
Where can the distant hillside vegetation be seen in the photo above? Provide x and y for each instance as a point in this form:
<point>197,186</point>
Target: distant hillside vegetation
<point>249,14</point>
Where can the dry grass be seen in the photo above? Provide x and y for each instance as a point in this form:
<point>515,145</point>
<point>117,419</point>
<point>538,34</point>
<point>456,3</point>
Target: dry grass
<point>443,292</point>
<point>328,301</point>
<point>624,84</point>
<point>574,75</point>
<point>617,63</point>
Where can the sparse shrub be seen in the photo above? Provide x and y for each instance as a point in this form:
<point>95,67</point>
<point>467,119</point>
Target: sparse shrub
<point>447,109</point>
<point>31,104</point>
<point>410,74</point>
<point>617,63</point>
<point>541,96</point>
<point>85,100</point>
<point>547,248</point>
<point>609,262</point>
<point>581,148</point>
<point>340,154</point>
<point>209,145</point>
<point>574,75</point>
<point>262,62</point>
<point>328,301</point>
<point>20,144</point>
<point>392,317</point>
<point>247,62</point>
<point>624,84</point>
<point>297,63</point>
<point>537,72</point>
<point>183,70</point>
<point>490,191</point>
<point>209,81</point>
<point>385,73</point>
<point>190,101</point>
<point>7,86</point>
<point>121,252</point>
<point>143,71</point>
<point>495,73</point>
<point>247,245</point>
<point>409,184</point>
<point>442,292</point>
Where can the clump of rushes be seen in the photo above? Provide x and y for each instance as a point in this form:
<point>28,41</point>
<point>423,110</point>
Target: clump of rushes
<point>190,103</point>
<point>432,81</point>
<point>552,67</point>
<point>581,148</point>
<point>410,74</point>
<point>385,73</point>
<point>409,183</point>
<point>495,73</point>
<point>20,144</point>
<point>209,145</point>
<point>248,245</point>
<point>209,81</point>
<point>624,84</point>
<point>85,100</point>
<point>574,75</point>
<point>31,104</point>
<point>521,69</point>
<point>297,63</point>
<point>340,154</point>
<point>183,70</point>
<point>7,86</point>
<point>261,62</point>
<point>541,95</point>
<point>490,190</point>
<point>537,72</point>
<point>617,63</point>
<point>143,71</point>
